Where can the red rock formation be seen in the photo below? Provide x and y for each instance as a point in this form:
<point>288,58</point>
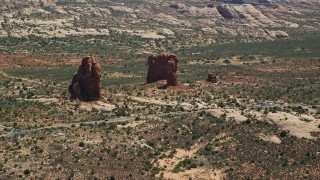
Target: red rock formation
<point>86,83</point>
<point>212,78</point>
<point>171,73</point>
<point>163,67</point>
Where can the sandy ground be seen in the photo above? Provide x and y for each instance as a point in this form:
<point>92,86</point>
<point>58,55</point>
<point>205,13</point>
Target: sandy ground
<point>132,124</point>
<point>97,105</point>
<point>302,127</point>
<point>196,174</point>
<point>233,114</point>
<point>138,142</point>
<point>186,106</point>
<point>168,164</point>
<point>270,138</point>
<point>146,34</point>
<point>154,101</point>
<point>45,101</point>
<point>122,75</point>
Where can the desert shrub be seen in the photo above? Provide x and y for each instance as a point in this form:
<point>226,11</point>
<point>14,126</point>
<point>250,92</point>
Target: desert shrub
<point>82,144</point>
<point>26,172</point>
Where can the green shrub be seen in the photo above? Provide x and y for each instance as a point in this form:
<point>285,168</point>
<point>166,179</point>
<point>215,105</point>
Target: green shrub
<point>82,144</point>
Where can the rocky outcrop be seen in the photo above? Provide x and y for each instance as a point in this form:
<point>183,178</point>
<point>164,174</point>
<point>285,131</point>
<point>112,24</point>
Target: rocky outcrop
<point>227,31</point>
<point>121,9</point>
<point>178,6</point>
<point>280,34</point>
<point>18,18</point>
<point>256,14</point>
<point>163,67</point>
<point>277,34</point>
<point>18,4</point>
<point>168,19</point>
<point>86,82</point>
<point>196,11</point>
<point>226,11</point>
<point>244,11</point>
<point>212,78</point>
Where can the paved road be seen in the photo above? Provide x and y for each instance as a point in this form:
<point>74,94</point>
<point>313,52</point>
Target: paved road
<point>116,120</point>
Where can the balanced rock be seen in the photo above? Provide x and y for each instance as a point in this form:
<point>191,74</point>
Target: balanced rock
<point>163,67</point>
<point>212,78</point>
<point>86,82</point>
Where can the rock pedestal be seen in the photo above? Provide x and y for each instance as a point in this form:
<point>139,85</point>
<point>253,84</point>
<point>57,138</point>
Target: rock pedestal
<point>86,82</point>
<point>163,67</point>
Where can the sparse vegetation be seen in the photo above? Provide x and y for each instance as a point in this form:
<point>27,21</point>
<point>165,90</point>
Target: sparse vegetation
<point>259,122</point>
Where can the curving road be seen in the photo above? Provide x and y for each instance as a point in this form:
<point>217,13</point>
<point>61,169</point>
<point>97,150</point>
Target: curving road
<point>17,132</point>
